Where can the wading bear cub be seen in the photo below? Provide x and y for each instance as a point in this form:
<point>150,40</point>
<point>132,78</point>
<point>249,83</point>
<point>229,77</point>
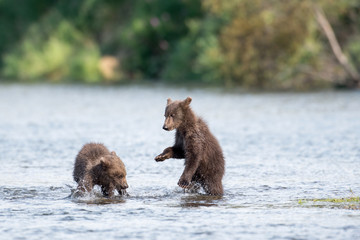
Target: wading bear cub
<point>204,161</point>
<point>96,165</point>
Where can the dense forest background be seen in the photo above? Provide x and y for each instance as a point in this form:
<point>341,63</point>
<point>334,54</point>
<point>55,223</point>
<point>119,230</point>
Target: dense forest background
<point>261,44</point>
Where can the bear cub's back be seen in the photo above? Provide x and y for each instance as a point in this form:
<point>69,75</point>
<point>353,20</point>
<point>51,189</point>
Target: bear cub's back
<point>88,157</point>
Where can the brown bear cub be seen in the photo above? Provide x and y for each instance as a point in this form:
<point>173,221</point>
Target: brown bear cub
<point>96,165</point>
<point>204,160</point>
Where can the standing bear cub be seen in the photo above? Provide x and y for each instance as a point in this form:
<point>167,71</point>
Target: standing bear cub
<point>95,165</point>
<point>204,161</point>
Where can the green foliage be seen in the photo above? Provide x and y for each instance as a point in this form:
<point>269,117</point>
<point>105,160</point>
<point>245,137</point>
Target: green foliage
<point>197,56</point>
<point>53,53</point>
<point>353,50</point>
<point>16,18</point>
<point>156,28</point>
<point>264,43</point>
<point>249,43</point>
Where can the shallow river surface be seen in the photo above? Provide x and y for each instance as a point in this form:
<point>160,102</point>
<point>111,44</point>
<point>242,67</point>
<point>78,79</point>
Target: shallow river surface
<point>281,150</point>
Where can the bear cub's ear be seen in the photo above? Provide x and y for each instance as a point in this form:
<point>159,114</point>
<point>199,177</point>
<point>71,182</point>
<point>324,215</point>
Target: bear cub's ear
<point>113,153</point>
<point>169,101</point>
<point>104,163</point>
<point>187,101</point>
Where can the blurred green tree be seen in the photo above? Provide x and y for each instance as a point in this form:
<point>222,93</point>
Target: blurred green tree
<point>273,44</point>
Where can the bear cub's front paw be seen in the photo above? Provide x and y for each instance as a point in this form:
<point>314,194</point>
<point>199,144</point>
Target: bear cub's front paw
<point>184,183</point>
<point>161,157</point>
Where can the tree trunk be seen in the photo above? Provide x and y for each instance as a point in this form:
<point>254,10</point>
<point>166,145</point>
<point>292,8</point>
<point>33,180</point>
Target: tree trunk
<point>340,56</point>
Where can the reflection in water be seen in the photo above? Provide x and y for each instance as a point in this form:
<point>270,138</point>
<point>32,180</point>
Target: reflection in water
<point>101,200</point>
<point>199,200</point>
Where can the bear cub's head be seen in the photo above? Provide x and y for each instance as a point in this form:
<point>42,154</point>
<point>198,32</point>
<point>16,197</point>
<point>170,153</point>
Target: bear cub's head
<point>113,172</point>
<point>175,113</point>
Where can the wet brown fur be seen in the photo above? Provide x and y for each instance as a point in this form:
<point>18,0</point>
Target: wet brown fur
<point>96,165</point>
<point>204,161</point>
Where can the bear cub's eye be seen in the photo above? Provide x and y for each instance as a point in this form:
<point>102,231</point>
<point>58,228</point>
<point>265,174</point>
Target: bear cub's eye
<point>172,115</point>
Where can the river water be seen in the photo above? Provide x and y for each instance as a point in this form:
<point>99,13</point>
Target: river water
<point>282,150</point>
